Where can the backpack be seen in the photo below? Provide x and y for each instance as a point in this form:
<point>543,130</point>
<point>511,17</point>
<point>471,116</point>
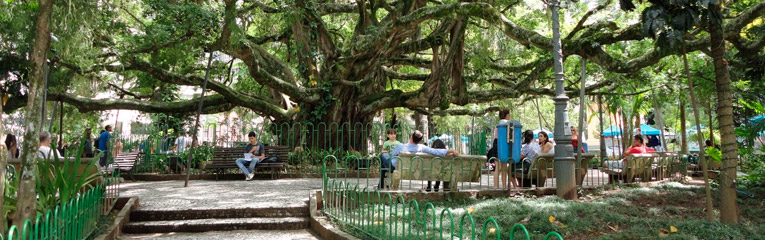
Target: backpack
<point>492,153</point>
<point>270,159</point>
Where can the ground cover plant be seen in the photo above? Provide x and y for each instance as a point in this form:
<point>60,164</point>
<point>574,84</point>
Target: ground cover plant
<point>667,211</point>
<point>671,210</point>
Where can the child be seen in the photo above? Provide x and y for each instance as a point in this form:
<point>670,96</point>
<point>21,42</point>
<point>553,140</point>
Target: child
<point>389,145</point>
<point>385,158</point>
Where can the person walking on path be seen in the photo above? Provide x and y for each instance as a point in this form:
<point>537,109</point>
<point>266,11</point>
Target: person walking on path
<point>103,144</point>
<point>181,143</point>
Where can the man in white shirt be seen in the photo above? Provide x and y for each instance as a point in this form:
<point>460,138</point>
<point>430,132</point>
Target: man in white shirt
<point>181,143</point>
<point>388,161</point>
<point>45,151</point>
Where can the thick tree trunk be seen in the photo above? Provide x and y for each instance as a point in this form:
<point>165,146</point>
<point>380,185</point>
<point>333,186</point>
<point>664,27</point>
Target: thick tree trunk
<point>683,130</point>
<point>26,207</point>
<point>728,205</point>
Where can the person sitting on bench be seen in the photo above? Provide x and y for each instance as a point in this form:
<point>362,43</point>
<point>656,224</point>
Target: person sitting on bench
<point>413,146</point>
<point>438,144</point>
<point>254,152</point>
<point>637,147</point>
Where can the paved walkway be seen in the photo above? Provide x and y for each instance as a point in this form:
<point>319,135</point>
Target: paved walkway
<point>203,194</point>
<point>229,235</point>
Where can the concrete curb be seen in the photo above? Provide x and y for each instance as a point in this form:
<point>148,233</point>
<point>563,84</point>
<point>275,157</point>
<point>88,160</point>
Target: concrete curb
<point>321,225</point>
<point>126,205</point>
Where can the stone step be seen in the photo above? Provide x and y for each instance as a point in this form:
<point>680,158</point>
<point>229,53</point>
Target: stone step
<point>303,234</point>
<point>183,214</point>
<point>216,224</point>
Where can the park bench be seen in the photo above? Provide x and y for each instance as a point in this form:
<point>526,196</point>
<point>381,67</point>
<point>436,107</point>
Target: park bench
<point>423,166</point>
<point>126,161</point>
<point>543,167</point>
<point>225,158</point>
<point>537,172</point>
<point>637,165</point>
<point>713,167</point>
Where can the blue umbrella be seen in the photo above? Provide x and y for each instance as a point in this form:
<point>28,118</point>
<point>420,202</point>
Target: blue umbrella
<point>648,130</point>
<point>612,131</point>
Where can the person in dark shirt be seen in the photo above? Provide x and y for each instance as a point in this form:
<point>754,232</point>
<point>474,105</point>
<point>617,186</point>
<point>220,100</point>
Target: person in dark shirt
<point>254,152</point>
<point>88,141</point>
<point>103,144</point>
<point>438,144</point>
<point>13,146</point>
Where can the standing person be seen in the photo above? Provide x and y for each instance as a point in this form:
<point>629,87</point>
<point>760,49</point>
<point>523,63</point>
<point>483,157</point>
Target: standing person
<point>502,166</point>
<point>438,144</point>
<point>45,151</point>
<point>181,143</point>
<point>545,144</point>
<point>87,151</point>
<point>575,140</point>
<point>254,152</point>
<point>95,143</point>
<point>13,146</point>
<point>385,159</point>
<point>103,144</point>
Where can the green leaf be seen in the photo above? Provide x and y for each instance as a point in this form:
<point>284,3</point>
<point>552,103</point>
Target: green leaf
<point>714,153</point>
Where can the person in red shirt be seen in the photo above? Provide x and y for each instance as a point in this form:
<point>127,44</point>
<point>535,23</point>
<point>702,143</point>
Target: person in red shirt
<point>575,140</point>
<point>637,147</point>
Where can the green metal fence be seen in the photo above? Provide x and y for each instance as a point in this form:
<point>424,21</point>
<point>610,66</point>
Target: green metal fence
<point>73,220</point>
<point>308,142</point>
<point>380,215</point>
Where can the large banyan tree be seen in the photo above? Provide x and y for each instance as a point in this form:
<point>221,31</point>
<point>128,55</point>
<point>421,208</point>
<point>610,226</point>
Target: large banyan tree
<point>326,61</point>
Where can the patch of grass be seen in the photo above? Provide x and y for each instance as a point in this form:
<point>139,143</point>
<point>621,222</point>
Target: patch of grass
<point>631,213</point>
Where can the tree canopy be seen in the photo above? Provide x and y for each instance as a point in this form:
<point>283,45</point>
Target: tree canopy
<point>345,61</point>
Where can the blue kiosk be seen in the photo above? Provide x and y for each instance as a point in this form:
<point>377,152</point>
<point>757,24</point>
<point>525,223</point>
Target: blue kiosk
<point>509,141</point>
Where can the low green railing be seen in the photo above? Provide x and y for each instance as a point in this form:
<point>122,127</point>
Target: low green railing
<point>381,216</point>
<point>76,219</point>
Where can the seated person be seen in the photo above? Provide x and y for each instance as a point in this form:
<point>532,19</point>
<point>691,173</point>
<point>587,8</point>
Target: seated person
<point>388,147</point>
<point>637,147</point>
<point>438,144</point>
<point>530,148</point>
<point>258,154</point>
<point>413,146</point>
<point>45,152</point>
<point>545,144</point>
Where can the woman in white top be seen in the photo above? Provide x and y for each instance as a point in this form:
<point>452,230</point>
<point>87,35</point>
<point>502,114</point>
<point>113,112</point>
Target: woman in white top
<point>545,143</point>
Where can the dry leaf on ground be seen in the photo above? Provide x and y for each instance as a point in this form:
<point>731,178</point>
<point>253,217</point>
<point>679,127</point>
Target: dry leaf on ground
<point>614,228</point>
